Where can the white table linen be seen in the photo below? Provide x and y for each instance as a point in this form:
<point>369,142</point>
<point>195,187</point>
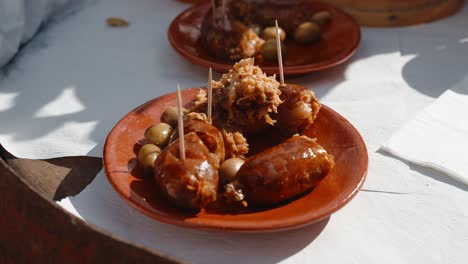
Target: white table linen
<point>21,19</point>
<point>437,138</point>
<point>77,78</point>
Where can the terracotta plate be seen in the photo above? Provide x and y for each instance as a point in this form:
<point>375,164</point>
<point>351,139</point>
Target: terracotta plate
<point>340,39</point>
<point>137,188</point>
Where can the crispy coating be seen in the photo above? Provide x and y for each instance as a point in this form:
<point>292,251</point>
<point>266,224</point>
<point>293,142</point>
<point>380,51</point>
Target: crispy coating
<point>235,144</point>
<point>245,97</point>
<point>211,138</point>
<point>192,183</point>
<point>298,110</point>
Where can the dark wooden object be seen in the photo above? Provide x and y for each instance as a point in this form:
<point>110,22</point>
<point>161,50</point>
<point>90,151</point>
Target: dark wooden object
<point>397,13</point>
<point>33,229</point>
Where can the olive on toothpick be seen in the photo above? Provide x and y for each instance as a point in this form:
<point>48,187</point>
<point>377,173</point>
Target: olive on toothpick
<point>270,33</point>
<point>269,50</point>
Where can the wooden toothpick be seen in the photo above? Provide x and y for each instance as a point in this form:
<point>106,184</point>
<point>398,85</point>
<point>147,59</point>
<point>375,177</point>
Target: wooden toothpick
<point>213,10</point>
<point>223,8</point>
<point>180,124</point>
<point>280,58</point>
<point>210,95</point>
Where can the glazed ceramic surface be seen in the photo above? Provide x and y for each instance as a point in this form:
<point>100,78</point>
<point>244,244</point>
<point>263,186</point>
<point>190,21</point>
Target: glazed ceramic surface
<point>137,187</point>
<point>340,40</point>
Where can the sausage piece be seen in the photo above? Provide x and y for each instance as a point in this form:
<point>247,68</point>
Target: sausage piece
<point>209,134</point>
<point>192,183</point>
<point>211,137</point>
<point>298,110</point>
<point>289,13</point>
<point>284,171</point>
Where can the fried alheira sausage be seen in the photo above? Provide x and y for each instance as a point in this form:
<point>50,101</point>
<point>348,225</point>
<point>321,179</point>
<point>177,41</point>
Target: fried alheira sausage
<point>229,39</point>
<point>289,13</point>
<point>298,110</point>
<point>210,136</point>
<point>244,98</point>
<point>284,171</point>
<point>190,183</point>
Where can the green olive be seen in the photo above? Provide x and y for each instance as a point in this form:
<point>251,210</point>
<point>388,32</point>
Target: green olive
<point>322,17</point>
<point>307,33</point>
<point>229,169</point>
<point>270,33</point>
<point>256,28</point>
<point>170,116</point>
<point>159,134</point>
<point>148,154</point>
<point>269,50</point>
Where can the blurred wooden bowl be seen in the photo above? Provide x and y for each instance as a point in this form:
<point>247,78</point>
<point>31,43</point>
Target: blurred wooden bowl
<point>394,13</point>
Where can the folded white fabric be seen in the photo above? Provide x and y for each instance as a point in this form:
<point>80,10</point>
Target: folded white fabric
<point>438,137</point>
<point>20,19</point>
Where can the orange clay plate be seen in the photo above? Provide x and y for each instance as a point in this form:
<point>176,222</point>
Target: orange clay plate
<point>138,188</point>
<point>340,40</point>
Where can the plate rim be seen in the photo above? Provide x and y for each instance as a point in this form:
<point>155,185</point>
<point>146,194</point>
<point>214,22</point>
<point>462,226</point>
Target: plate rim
<point>287,70</point>
<point>213,227</point>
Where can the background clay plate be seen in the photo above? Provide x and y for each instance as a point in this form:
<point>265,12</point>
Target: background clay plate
<point>334,132</point>
<point>340,39</point>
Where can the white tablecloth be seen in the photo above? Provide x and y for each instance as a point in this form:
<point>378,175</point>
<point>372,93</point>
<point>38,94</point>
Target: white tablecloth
<point>77,78</point>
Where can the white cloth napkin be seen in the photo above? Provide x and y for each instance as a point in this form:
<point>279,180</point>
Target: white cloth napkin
<point>19,21</point>
<point>437,137</point>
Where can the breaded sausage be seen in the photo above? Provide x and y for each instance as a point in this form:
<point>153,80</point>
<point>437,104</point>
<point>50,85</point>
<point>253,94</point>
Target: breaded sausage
<point>192,183</point>
<point>298,110</point>
<point>211,137</point>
